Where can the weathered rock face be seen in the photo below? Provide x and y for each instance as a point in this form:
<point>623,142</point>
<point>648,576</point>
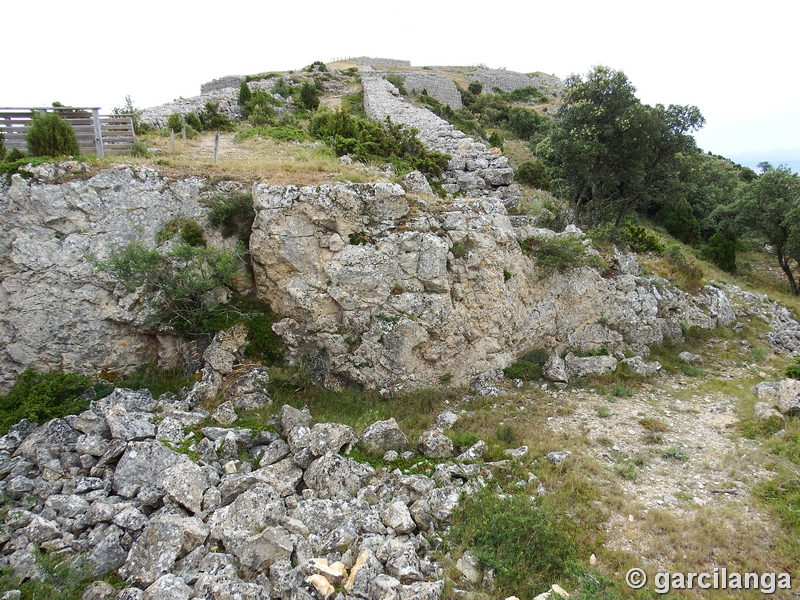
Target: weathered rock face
<point>360,271</point>
<point>56,310</point>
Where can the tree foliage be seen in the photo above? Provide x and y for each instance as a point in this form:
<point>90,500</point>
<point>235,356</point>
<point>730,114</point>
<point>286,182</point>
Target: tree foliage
<point>50,135</point>
<point>613,154</point>
<point>178,286</point>
<point>770,208</point>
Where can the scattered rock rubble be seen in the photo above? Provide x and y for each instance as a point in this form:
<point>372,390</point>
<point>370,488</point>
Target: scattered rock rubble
<point>122,488</point>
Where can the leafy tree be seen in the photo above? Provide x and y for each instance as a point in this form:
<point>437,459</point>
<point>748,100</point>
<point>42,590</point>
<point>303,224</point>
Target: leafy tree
<point>50,135</point>
<point>135,113</point>
<point>721,250</point>
<point>678,219</point>
<point>475,88</point>
<point>525,122</point>
<point>309,96</point>
<point>244,94</point>
<point>533,173</point>
<point>770,208</point>
<point>613,154</point>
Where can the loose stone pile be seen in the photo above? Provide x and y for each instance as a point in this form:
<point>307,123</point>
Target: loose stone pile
<point>179,516</point>
<point>472,166</point>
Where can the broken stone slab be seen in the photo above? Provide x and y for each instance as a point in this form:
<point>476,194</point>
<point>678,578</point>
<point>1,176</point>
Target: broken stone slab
<point>332,475</point>
<point>292,417</point>
<point>381,437</point>
<point>446,420</point>
<point>783,395</point>
<point>129,427</point>
<point>474,452</point>
<point>688,357</point>
<point>142,466</point>
<point>398,518</point>
<point>638,366</point>
<point>555,369</point>
<point>557,457</point>
<point>225,414</point>
<point>435,444</point>
<point>589,365</point>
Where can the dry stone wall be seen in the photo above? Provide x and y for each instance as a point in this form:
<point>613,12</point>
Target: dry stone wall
<point>401,293</point>
<point>473,167</point>
<point>508,81</point>
<point>437,85</point>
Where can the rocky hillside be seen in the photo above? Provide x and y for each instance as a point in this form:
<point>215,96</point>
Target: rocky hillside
<point>635,425</point>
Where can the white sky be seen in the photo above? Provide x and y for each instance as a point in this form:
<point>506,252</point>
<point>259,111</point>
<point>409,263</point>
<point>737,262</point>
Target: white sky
<point>735,61</point>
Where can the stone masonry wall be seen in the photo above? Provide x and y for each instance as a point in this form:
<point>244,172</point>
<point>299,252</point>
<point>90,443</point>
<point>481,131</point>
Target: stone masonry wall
<point>438,86</point>
<point>472,167</point>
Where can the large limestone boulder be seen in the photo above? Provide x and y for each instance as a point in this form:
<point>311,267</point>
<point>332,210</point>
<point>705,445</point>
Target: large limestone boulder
<point>783,395</point>
<point>382,436</point>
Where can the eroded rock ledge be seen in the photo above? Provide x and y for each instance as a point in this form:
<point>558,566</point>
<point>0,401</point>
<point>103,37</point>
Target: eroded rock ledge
<point>393,292</point>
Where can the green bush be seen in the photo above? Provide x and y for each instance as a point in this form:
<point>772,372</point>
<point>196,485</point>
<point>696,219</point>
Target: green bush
<point>368,140</point>
<point>40,397</point>
<point>280,133</point>
<point>640,239</point>
<point>517,537</point>
<point>244,94</point>
<point>309,96</point>
<point>525,122</point>
<point>213,120</point>
<point>534,174</point>
<point>233,214</point>
<point>189,230</point>
<point>496,140</point>
<point>793,370</point>
<point>721,251</point>
<point>139,149</point>
<point>193,121</point>
<point>50,135</point>
<point>2,147</point>
<point>283,89</point>
<point>475,88</point>
<point>15,154</point>
<point>528,367</point>
<point>175,122</point>
<point>678,219</point>
<point>178,286</point>
<point>560,254</point>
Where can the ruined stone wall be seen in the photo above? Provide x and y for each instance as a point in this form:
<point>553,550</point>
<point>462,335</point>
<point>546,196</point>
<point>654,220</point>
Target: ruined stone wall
<point>472,166</point>
<point>438,86</point>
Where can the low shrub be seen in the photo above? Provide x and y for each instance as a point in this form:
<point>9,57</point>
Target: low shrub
<point>309,96</point>
<point>560,254</point>
<point>175,122</point>
<point>678,219</point>
<point>192,120</point>
<point>721,251</point>
<point>534,174</point>
<point>640,239</point>
<point>528,367</point>
<point>281,133</point>
<point>793,370</point>
<point>178,286</point>
<point>189,230</point>
<point>213,120</point>
<point>233,214</point>
<point>50,135</point>
<point>368,140</point>
<point>40,397</point>
<point>2,147</point>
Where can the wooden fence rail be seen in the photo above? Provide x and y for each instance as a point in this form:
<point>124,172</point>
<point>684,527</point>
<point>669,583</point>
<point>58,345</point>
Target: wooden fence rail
<point>96,134</point>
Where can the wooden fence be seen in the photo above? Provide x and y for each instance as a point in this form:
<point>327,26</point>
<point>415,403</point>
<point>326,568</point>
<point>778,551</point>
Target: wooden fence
<point>96,134</point>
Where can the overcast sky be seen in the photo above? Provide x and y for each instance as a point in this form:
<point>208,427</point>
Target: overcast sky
<point>737,63</point>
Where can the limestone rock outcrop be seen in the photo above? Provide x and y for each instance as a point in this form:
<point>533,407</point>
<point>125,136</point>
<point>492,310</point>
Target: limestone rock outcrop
<point>57,311</point>
<point>401,292</point>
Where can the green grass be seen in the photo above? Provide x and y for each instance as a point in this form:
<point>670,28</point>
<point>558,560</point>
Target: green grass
<point>522,540</point>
